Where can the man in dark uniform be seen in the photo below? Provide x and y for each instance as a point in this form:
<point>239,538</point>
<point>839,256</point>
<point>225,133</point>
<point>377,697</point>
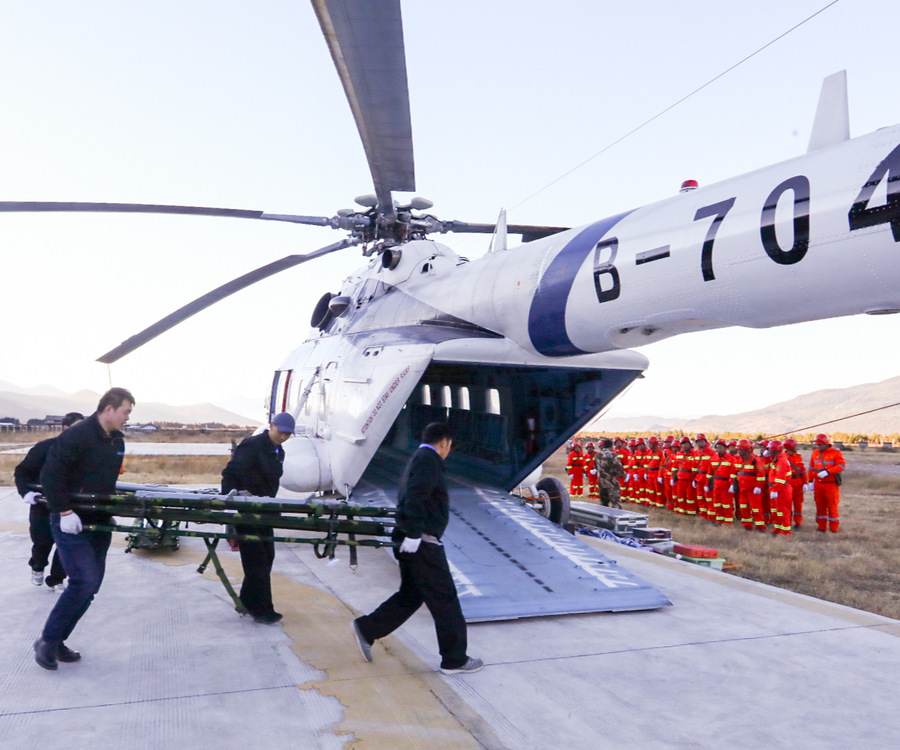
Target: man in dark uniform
<point>255,468</point>
<point>86,458</point>
<point>423,511</point>
<point>27,473</point>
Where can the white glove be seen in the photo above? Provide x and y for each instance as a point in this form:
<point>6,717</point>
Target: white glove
<point>806,488</point>
<point>773,495</point>
<point>410,545</point>
<point>659,479</point>
<point>757,490</point>
<point>593,472</point>
<point>70,524</point>
<point>822,474</point>
<point>694,485</point>
<point>32,497</point>
<point>646,477</point>
<point>730,488</point>
<point>672,482</point>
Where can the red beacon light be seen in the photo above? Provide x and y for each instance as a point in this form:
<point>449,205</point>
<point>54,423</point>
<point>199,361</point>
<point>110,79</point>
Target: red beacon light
<point>689,185</point>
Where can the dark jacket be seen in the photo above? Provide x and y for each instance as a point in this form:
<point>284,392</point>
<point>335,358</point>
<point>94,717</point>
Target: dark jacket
<point>255,466</point>
<point>84,459</point>
<point>423,506</point>
<point>29,471</point>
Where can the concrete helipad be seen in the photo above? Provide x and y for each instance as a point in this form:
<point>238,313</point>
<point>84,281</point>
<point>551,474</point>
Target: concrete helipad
<point>168,664</point>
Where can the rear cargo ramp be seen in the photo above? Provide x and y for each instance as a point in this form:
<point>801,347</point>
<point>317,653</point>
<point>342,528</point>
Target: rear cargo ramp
<point>510,562</point>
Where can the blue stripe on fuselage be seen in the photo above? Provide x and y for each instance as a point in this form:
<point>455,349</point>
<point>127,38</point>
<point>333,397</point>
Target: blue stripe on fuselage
<point>547,316</point>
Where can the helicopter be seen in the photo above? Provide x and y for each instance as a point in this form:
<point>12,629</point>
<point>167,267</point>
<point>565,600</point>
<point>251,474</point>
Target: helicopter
<point>521,348</point>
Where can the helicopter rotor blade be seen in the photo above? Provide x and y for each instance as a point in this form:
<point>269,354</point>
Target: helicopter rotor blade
<point>210,298</point>
<point>150,208</point>
<point>366,44</point>
<point>529,232</point>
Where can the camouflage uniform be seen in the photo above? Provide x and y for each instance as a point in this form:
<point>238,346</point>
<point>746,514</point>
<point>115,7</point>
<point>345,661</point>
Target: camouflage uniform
<point>609,470</point>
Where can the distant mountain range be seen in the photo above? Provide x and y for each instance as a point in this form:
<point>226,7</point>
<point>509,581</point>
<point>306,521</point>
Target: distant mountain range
<point>39,401</point>
<point>796,414</point>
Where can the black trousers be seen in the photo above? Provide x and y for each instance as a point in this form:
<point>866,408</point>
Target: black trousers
<point>425,578</point>
<point>256,560</point>
<point>42,544</point>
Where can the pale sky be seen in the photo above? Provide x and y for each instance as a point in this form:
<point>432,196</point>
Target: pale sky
<point>237,105</point>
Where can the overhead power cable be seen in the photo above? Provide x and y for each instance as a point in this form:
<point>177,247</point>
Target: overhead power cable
<point>675,104</point>
<point>832,421</point>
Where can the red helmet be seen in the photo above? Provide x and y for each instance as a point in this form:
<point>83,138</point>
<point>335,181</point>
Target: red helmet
<point>744,445</point>
<point>775,446</point>
<point>632,443</point>
<point>576,447</point>
<point>764,443</point>
<point>733,443</point>
<point>790,443</point>
<point>618,440</point>
<point>640,441</point>
<point>822,439</point>
<point>721,442</point>
<point>590,446</point>
<point>700,436</point>
<point>685,439</point>
<point>669,439</point>
<point>654,440</point>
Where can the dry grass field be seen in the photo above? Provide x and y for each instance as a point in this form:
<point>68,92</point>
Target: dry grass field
<point>858,567</point>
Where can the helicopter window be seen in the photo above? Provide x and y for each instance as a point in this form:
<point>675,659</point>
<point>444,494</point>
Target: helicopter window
<point>426,268</point>
<point>463,398</point>
<point>492,401</point>
<point>447,397</point>
<point>280,385</point>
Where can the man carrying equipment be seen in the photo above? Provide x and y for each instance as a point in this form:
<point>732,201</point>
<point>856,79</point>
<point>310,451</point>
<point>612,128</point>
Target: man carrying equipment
<point>423,510</point>
<point>86,459</point>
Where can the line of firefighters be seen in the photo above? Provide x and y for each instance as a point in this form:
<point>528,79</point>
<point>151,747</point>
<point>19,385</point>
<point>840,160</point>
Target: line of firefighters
<point>724,483</point>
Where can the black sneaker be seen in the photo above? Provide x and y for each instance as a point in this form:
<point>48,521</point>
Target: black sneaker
<point>269,618</point>
<point>45,654</point>
<point>471,665</point>
<point>365,648</point>
<point>66,655</point>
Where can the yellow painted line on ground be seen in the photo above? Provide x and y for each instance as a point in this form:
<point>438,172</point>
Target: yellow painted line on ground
<point>397,702</point>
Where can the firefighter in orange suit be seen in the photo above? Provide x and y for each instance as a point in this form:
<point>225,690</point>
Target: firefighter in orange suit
<point>763,448</point>
<point>642,456</point>
<point>591,471</point>
<point>720,485</point>
<point>825,469</point>
<point>670,450</point>
<point>632,491</point>
<point>702,456</point>
<point>781,496</point>
<point>654,459</point>
<point>798,480</point>
<point>575,468</point>
<point>686,494</point>
<point>750,479</point>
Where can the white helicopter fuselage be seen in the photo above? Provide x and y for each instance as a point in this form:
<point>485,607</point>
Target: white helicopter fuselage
<point>810,238</point>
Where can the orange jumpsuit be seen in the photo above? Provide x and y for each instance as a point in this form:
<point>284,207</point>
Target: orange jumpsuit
<point>623,453</point>
<point>704,499</point>
<point>798,478</point>
<point>640,465</point>
<point>750,476</point>
<point>826,491</point>
<point>591,471</point>
<point>781,495</point>
<point>654,460</point>
<point>722,470</point>
<point>671,478</point>
<point>575,467</point>
<point>686,497</point>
